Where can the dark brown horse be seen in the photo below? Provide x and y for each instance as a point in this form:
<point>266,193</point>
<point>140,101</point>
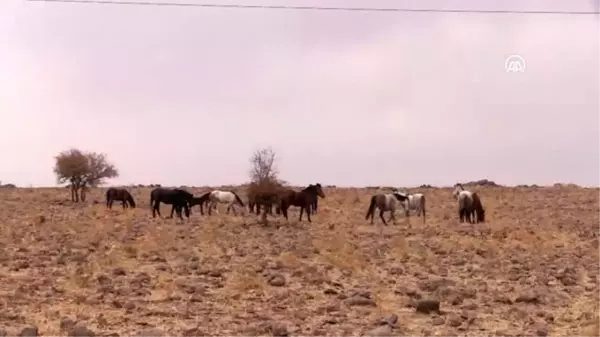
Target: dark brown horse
<point>119,194</point>
<point>201,200</point>
<point>304,199</point>
<point>477,214</point>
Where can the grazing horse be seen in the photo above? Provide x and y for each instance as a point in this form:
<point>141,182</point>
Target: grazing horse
<point>415,202</point>
<point>224,197</point>
<point>201,200</point>
<point>386,202</point>
<point>469,205</point>
<point>304,199</point>
<point>119,194</point>
<point>177,197</point>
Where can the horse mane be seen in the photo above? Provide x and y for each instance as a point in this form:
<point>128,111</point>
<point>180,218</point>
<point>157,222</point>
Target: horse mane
<point>238,198</point>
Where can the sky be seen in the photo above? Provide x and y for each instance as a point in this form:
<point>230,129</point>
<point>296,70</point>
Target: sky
<point>184,95</point>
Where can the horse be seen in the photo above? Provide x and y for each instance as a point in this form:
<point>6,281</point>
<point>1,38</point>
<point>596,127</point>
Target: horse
<point>119,194</point>
<point>415,202</point>
<point>224,197</point>
<point>265,199</point>
<point>201,200</point>
<point>304,199</point>
<point>177,197</point>
<point>469,205</point>
<point>386,202</point>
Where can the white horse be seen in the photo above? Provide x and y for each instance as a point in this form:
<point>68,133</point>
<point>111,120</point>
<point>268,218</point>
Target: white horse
<point>386,202</point>
<point>415,202</point>
<point>469,205</point>
<point>224,197</point>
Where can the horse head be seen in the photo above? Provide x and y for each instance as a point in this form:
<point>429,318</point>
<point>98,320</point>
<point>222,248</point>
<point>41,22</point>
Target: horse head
<point>317,187</point>
<point>457,189</point>
<point>400,196</point>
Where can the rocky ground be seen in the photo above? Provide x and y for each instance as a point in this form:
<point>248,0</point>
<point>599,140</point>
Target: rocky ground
<point>532,269</point>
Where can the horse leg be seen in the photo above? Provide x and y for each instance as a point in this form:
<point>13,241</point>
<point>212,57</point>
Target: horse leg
<point>284,209</point>
<point>173,209</point>
<point>308,212</point>
<point>187,210</point>
<point>301,212</point>
<point>156,209</point>
<point>124,204</point>
<point>381,216</point>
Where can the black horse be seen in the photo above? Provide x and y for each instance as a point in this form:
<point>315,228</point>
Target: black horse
<point>119,194</point>
<point>177,197</point>
<point>201,200</point>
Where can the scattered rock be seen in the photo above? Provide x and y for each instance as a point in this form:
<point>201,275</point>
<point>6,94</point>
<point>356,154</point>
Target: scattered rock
<point>330,291</point>
<point>454,320</point>
<point>30,331</point>
<point>390,320</point>
<point>428,306</point>
<point>66,324</point>
<point>119,272</point>
<point>438,320</point>
<point>81,331</point>
<point>527,298</point>
<point>380,331</point>
<point>360,301</point>
<point>152,332</point>
<point>277,280</point>
<point>279,330</point>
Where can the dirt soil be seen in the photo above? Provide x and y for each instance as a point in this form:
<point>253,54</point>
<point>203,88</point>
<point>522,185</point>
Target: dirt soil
<point>531,269</point>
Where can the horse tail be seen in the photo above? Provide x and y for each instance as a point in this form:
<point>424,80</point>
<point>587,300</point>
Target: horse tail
<point>238,198</point>
<point>151,199</point>
<point>423,207</point>
<point>371,208</point>
<point>130,200</point>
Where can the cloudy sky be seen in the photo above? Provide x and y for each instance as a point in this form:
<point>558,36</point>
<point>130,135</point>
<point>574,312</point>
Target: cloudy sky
<point>183,96</point>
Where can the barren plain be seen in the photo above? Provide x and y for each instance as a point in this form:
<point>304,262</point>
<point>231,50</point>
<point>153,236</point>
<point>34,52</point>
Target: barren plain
<point>531,269</point>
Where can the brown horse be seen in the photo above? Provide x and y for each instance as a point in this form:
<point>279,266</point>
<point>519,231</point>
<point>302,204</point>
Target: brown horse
<point>119,194</point>
<point>304,199</point>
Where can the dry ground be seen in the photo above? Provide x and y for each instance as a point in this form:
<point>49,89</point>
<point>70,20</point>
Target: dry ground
<point>531,269</point>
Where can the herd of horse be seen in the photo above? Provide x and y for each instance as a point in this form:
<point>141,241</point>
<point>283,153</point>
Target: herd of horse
<point>470,208</point>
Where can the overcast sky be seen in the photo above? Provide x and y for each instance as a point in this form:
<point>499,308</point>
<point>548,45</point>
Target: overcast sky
<point>183,96</point>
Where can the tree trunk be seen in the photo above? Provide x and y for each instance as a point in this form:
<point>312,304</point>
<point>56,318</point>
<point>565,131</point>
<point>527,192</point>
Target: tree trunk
<point>83,192</point>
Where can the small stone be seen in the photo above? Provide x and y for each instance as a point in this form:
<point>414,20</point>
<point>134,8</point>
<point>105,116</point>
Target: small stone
<point>278,330</point>
<point>277,280</point>
<point>119,272</point>
<point>66,324</point>
<point>330,291</point>
<point>390,320</point>
<point>81,331</point>
<point>360,301</point>
<point>438,320</point>
<point>454,320</point>
<point>527,298</point>
<point>380,331</point>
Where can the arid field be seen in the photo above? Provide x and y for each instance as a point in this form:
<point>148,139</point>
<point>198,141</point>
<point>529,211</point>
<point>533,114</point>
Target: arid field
<point>531,269</point>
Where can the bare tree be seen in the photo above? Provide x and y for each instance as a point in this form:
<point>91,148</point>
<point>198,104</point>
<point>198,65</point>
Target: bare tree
<point>82,170</point>
<point>263,166</point>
